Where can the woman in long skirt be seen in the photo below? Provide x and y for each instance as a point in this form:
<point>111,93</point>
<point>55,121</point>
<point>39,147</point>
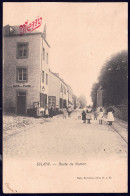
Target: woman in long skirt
<point>84,116</point>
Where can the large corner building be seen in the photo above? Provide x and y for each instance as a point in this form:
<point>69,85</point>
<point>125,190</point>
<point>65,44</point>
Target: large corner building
<point>26,70</point>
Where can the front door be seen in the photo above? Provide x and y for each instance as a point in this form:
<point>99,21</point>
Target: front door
<point>43,100</point>
<point>21,102</point>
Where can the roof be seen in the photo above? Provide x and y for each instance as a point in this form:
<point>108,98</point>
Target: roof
<point>58,78</point>
<point>15,31</point>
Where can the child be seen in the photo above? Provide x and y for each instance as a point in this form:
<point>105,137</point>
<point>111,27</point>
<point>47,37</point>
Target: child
<point>46,112</point>
<point>110,117</point>
<point>84,116</point>
<point>88,115</point>
<point>100,116</point>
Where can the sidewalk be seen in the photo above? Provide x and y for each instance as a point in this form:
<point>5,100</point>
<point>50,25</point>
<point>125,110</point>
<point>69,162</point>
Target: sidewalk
<point>13,124</point>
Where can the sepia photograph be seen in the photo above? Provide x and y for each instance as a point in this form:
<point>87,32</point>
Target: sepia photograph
<point>65,97</point>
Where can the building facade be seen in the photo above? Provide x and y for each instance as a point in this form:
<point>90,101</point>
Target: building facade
<point>100,97</point>
<point>58,93</point>
<point>26,70</point>
<point>70,97</point>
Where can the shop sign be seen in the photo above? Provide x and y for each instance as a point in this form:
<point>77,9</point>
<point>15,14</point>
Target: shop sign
<point>24,85</point>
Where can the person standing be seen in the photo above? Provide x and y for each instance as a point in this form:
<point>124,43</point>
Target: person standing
<point>110,117</point>
<point>69,111</point>
<point>46,112</point>
<point>100,116</point>
<point>88,115</point>
<point>84,116</point>
<point>51,112</point>
<point>64,113</point>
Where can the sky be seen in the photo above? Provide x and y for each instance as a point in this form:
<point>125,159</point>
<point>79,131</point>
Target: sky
<point>82,36</point>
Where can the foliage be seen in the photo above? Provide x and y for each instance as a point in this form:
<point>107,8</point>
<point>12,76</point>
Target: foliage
<point>82,100</point>
<point>114,80</point>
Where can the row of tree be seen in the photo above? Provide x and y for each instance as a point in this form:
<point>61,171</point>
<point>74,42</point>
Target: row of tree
<point>113,79</point>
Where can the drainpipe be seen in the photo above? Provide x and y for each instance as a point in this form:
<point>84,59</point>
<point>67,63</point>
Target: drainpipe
<point>41,67</point>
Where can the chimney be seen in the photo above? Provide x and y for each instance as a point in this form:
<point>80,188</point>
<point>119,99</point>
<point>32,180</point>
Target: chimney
<point>6,30</point>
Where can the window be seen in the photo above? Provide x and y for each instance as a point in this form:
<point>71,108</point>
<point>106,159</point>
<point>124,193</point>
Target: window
<point>64,90</point>
<point>22,50</point>
<point>46,78</point>
<point>43,50</point>
<point>61,103</point>
<point>47,58</point>
<point>61,88</point>
<point>43,76</point>
<point>21,74</point>
<point>21,93</point>
<point>52,101</point>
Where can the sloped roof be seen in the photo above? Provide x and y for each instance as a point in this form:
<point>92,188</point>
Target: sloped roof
<point>58,78</point>
<point>16,31</point>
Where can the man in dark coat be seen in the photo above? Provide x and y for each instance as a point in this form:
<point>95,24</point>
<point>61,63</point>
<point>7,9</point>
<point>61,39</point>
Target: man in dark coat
<point>84,116</point>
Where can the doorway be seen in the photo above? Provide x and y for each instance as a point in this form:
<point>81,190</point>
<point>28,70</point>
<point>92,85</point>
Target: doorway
<point>21,102</point>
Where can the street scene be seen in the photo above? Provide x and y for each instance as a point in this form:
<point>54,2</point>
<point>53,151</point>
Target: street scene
<point>57,139</point>
<point>65,98</point>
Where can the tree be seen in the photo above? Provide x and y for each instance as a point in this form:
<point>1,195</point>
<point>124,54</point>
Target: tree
<point>113,79</point>
<point>82,100</point>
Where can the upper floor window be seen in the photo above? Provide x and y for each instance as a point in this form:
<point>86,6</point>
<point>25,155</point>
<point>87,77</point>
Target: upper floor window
<point>43,76</point>
<point>61,88</point>
<point>47,58</point>
<point>43,51</point>
<point>22,50</point>
<point>21,74</point>
<point>46,78</point>
<point>64,90</point>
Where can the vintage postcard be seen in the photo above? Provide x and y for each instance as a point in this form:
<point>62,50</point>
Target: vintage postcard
<point>65,97</point>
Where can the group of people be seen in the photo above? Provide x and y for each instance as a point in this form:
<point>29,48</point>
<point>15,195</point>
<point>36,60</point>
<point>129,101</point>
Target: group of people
<point>49,112</point>
<point>67,111</point>
<point>86,115</point>
<point>98,113</point>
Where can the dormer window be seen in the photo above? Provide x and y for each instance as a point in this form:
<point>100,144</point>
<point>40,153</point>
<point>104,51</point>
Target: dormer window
<point>11,30</point>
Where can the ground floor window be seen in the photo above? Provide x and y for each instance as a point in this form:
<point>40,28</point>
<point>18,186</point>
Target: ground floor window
<point>52,101</point>
<point>62,103</point>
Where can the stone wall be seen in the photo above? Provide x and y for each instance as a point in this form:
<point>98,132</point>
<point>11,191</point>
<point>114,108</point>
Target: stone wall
<point>121,112</point>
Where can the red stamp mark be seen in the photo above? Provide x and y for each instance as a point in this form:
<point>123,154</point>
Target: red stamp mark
<point>29,27</point>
